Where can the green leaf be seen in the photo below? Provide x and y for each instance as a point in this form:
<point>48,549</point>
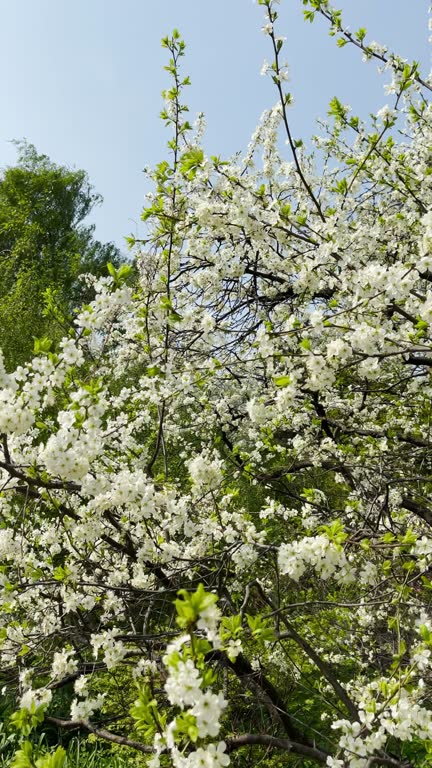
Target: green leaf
<point>42,346</point>
<point>186,725</point>
<point>190,161</point>
<point>335,532</point>
<point>261,629</point>
<point>60,573</point>
<point>23,756</point>
<point>54,760</point>
<point>282,381</point>
<point>189,606</point>
<point>409,538</point>
<point>337,109</point>
<point>145,712</point>
<point>124,272</point>
<point>425,633</point>
<point>26,720</point>
<point>153,370</point>
<point>232,627</point>
<point>285,211</point>
<point>421,325</point>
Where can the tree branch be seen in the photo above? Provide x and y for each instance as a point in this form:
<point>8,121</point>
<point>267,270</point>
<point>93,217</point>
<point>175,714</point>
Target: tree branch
<point>102,733</point>
<point>272,742</point>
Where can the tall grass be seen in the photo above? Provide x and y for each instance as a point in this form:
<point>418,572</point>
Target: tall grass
<point>8,744</point>
<point>80,753</point>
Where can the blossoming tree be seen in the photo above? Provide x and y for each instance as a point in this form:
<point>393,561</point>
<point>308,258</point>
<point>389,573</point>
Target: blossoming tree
<point>216,492</point>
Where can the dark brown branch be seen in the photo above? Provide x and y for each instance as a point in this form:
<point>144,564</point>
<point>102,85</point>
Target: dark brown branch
<point>51,484</point>
<point>287,127</point>
<point>410,439</point>
<point>272,742</point>
<point>398,66</point>
<point>419,360</point>
<point>256,679</point>
<point>158,440</point>
<point>101,733</point>
<point>408,502</point>
<point>322,665</point>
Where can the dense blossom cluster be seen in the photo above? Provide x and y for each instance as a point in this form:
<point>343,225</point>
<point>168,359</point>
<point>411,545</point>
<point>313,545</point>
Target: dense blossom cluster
<point>327,558</point>
<point>253,415</point>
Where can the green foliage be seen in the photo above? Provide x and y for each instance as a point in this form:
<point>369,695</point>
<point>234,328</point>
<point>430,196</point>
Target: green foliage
<point>120,275</point>
<point>261,629</point>
<point>282,381</point>
<point>44,247</point>
<point>191,161</point>
<point>186,726</point>
<point>145,712</point>
<point>23,757</point>
<point>26,720</point>
<point>189,606</point>
<point>8,739</point>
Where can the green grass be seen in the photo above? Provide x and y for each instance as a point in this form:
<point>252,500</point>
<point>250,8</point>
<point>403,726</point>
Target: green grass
<point>80,753</point>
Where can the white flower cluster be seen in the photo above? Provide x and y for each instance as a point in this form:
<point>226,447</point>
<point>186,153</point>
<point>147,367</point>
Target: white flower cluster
<point>183,686</point>
<point>208,622</point>
<point>15,415</point>
<point>426,241</point>
<point>205,472</point>
<point>328,559</point>
<point>34,698</point>
<point>185,689</point>
<point>70,451</point>
<point>63,664</point>
<point>82,710</point>
<point>208,709</point>
<point>403,719</point>
<point>213,756</point>
<point>113,650</point>
<point>10,545</point>
<point>105,305</point>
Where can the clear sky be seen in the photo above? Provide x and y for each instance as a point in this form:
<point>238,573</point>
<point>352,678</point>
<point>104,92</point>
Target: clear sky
<point>81,79</point>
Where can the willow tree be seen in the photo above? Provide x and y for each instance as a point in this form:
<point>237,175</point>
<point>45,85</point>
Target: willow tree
<point>216,491</point>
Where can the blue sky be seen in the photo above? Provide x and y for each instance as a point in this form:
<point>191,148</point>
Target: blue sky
<point>81,79</point>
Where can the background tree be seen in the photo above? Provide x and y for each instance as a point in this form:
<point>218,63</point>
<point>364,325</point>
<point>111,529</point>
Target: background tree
<point>44,244</point>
